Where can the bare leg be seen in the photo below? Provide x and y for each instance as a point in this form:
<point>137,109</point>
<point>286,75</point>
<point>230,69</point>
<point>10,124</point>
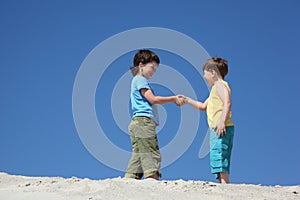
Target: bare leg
<point>224,178</point>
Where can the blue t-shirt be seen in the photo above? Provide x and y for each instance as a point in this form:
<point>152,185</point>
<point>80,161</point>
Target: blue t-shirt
<point>140,105</point>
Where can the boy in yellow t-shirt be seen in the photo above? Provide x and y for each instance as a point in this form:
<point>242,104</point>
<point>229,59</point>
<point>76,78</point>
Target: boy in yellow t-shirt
<point>218,108</point>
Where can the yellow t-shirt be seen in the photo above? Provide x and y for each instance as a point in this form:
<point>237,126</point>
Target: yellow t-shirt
<point>215,107</point>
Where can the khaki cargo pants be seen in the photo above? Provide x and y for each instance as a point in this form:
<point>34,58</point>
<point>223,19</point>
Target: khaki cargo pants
<point>146,158</point>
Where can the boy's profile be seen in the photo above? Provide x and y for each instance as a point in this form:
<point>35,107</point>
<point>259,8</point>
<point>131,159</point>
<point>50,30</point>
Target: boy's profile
<point>146,158</point>
<point>218,108</point>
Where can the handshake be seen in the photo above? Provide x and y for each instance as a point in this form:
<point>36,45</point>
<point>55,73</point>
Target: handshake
<point>181,100</point>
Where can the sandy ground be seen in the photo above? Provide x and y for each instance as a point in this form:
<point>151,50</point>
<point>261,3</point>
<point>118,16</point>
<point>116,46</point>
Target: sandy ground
<point>46,188</point>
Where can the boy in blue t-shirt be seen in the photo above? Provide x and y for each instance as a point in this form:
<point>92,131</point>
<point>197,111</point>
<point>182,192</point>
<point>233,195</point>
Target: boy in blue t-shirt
<point>146,159</point>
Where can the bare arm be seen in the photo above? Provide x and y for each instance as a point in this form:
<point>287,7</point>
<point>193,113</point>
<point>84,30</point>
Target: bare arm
<point>196,104</point>
<point>148,94</point>
<point>225,97</point>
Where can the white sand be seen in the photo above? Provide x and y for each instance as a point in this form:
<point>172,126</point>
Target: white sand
<point>46,188</point>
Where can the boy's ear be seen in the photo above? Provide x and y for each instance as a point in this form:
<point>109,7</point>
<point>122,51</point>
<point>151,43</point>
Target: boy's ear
<point>215,73</point>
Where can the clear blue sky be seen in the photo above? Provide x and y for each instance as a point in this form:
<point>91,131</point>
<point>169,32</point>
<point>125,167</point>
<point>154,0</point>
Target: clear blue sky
<point>43,44</point>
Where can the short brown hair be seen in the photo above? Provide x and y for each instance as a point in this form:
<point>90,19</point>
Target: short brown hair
<point>217,64</point>
<point>143,56</point>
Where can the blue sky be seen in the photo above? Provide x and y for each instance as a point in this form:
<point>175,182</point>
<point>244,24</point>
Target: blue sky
<point>44,43</point>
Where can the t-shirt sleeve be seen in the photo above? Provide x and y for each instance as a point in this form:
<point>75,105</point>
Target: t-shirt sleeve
<point>141,83</point>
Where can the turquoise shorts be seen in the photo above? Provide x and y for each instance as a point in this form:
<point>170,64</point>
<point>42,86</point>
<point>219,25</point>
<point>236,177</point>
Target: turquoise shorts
<point>220,151</point>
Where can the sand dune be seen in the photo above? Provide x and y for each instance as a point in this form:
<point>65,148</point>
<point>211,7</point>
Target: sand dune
<point>47,188</point>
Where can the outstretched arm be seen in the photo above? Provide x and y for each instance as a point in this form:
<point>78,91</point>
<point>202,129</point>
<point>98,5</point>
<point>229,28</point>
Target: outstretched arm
<point>148,94</point>
<point>196,104</point>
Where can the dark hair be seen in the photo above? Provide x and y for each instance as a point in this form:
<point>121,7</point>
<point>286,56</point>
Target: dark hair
<point>143,56</point>
<point>217,64</point>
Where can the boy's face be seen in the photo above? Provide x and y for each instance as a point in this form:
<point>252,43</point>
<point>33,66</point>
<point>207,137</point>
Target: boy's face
<point>209,77</point>
<point>149,69</point>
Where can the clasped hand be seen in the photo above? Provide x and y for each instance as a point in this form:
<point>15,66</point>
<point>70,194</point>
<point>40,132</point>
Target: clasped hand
<point>180,100</point>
